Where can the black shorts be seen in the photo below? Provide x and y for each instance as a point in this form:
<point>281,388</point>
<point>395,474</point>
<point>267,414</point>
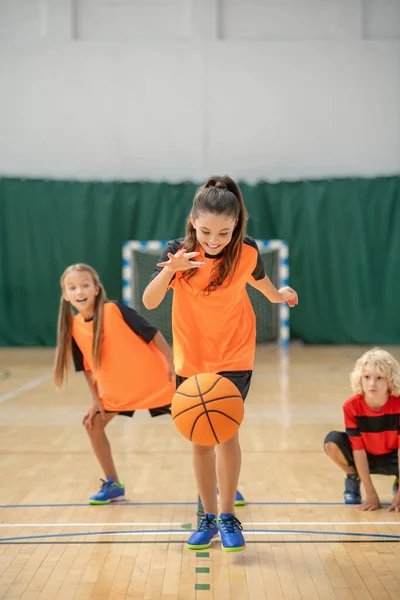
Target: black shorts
<point>381,464</point>
<point>241,379</point>
<point>154,412</point>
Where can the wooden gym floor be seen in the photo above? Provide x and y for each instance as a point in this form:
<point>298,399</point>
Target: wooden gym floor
<point>303,543</point>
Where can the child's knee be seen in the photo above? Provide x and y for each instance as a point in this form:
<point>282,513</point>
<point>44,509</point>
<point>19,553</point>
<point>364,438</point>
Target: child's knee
<point>234,439</point>
<point>202,449</point>
<point>95,425</point>
<point>88,427</point>
<point>333,441</point>
<point>232,443</point>
<point>330,447</point>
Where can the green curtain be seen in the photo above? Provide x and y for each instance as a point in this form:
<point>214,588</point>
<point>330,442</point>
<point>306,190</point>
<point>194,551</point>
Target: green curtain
<point>343,236</point>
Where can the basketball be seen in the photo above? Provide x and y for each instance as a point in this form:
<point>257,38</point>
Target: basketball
<point>207,409</point>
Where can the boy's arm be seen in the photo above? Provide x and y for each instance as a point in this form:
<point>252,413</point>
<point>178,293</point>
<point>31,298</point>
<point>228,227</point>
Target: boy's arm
<point>371,497</point>
<point>395,506</point>
<point>360,459</point>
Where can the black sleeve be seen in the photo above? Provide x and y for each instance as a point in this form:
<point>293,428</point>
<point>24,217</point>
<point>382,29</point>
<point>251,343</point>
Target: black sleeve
<point>172,247</point>
<point>77,356</point>
<point>137,323</point>
<point>259,271</point>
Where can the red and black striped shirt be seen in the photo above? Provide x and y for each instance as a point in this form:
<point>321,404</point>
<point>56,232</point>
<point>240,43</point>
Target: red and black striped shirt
<point>376,431</point>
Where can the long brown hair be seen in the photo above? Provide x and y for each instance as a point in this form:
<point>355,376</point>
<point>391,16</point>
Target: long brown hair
<point>221,196</point>
<point>64,329</point>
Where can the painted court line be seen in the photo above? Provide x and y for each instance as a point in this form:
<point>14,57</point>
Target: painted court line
<point>185,526</point>
<point>153,524</point>
<point>269,532</point>
<point>24,388</point>
<point>137,542</point>
<point>86,504</point>
<point>334,523</point>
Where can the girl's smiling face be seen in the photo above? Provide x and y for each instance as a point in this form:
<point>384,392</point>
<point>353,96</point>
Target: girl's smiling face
<point>213,231</point>
<point>80,290</point>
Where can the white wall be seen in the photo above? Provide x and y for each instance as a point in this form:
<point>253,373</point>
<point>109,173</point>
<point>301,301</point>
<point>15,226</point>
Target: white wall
<point>178,89</point>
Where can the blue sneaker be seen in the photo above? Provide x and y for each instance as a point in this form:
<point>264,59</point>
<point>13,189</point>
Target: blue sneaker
<point>230,530</point>
<point>395,487</point>
<point>352,493</point>
<point>109,492</point>
<point>239,500</point>
<point>207,529</point>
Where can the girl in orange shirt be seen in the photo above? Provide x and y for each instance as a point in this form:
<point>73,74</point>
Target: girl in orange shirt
<point>119,351</point>
<point>214,330</point>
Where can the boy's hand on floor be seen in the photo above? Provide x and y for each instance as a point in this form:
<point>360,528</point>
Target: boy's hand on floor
<point>395,506</point>
<point>371,502</point>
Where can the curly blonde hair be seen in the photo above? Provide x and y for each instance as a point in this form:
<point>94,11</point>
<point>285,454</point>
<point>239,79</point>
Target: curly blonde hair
<point>383,363</point>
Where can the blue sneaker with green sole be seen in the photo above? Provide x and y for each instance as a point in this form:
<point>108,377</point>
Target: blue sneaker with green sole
<point>230,530</point>
<point>206,531</point>
<point>239,500</point>
<point>109,492</point>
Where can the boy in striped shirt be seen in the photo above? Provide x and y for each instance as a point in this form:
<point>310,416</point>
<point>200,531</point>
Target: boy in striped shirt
<point>371,443</point>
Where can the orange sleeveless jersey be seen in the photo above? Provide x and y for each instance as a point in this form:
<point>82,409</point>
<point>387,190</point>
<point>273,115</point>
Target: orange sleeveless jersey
<point>133,372</point>
<point>214,332</point>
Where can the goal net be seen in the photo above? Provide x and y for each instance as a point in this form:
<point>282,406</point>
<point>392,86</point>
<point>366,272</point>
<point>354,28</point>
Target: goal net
<point>139,261</point>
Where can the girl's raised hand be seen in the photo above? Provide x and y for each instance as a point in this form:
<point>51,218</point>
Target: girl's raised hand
<point>181,261</point>
<point>288,296</point>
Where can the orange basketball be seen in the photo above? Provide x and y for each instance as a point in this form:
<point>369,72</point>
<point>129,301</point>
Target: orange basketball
<point>207,409</point>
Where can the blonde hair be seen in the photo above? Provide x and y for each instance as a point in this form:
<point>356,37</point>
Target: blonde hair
<point>383,363</point>
<point>64,329</point>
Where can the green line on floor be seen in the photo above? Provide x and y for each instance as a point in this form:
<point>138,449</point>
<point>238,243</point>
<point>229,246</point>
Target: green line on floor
<point>202,586</point>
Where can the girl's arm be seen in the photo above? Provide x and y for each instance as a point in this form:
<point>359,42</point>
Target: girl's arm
<point>267,288</point>
<point>155,292</point>
<point>181,261</point>
<point>163,346</point>
<point>96,406</point>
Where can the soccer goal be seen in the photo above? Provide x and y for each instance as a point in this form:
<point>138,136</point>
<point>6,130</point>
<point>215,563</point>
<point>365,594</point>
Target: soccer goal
<point>139,260</point>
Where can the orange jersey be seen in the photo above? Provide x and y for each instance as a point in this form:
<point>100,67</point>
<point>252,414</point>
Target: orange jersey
<point>214,332</point>
<point>133,372</point>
